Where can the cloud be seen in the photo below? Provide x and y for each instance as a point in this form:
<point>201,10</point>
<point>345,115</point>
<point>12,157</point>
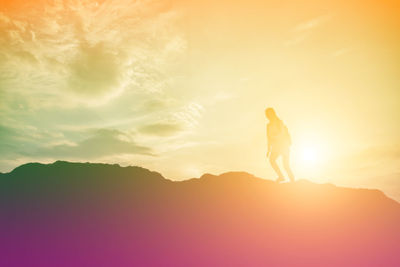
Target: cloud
<point>312,23</point>
<point>341,52</point>
<point>380,153</point>
<point>189,114</point>
<point>87,52</point>
<point>67,67</point>
<point>154,105</point>
<point>17,140</point>
<point>95,70</point>
<point>102,142</point>
<point>8,140</point>
<point>161,129</point>
<point>303,31</point>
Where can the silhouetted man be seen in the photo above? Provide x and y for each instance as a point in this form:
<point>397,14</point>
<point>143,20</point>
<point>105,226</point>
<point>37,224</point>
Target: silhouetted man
<point>279,142</point>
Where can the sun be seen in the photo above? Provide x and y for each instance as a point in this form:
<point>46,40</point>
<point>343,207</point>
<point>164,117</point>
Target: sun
<point>311,160</point>
<point>310,155</point>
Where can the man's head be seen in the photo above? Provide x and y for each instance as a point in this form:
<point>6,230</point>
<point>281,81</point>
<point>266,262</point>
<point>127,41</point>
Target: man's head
<point>270,114</point>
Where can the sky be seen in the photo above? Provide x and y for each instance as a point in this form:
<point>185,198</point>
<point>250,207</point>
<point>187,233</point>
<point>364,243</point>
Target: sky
<point>180,87</point>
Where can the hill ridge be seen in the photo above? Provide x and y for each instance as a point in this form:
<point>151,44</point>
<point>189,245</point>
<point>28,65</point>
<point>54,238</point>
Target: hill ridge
<point>85,214</point>
<point>30,168</point>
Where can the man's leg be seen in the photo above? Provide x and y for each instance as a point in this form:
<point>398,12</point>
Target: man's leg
<point>286,165</point>
<point>272,160</point>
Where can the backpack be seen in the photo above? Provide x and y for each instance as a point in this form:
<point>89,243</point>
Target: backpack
<point>282,135</point>
<point>285,133</point>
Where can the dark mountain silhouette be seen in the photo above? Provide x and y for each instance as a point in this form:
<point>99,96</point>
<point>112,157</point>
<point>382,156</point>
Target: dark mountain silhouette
<point>84,214</point>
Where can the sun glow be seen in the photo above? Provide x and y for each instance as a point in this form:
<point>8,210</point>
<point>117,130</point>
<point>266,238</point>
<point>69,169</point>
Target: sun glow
<point>310,155</point>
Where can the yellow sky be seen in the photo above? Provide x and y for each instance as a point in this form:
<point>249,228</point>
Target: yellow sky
<point>181,86</point>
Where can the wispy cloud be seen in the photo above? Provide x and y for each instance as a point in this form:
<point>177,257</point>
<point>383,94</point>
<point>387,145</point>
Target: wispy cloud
<point>161,129</point>
<point>312,23</point>
<point>380,152</point>
<point>68,67</point>
<point>341,51</point>
<point>92,50</point>
<point>303,30</point>
<point>102,142</point>
<point>189,114</point>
